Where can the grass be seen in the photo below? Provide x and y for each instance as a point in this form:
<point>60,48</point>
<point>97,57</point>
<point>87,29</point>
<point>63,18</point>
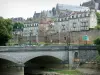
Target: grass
<point>69,72</point>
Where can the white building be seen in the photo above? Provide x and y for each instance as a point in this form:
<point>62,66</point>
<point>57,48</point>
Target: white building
<point>77,21</point>
<point>30,29</point>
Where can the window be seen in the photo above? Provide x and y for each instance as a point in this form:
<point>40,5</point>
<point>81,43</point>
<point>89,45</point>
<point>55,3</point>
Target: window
<point>78,15</point>
<point>72,16</point>
<point>87,14</point>
<point>63,27</point>
<point>74,25</point>
<point>65,19</point>
<point>60,19</point>
<point>84,25</point>
<point>75,16</point>
<point>83,14</point>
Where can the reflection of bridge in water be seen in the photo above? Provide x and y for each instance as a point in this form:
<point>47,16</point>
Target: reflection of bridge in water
<point>17,60</point>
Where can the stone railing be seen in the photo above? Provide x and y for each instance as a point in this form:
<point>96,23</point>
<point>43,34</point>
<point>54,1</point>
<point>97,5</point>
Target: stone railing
<point>45,48</point>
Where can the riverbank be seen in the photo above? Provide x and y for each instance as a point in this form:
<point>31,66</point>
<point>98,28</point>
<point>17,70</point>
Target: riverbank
<point>66,72</point>
<point>87,71</point>
<point>78,71</point>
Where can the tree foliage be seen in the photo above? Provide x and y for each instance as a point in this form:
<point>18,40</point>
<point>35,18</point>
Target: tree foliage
<point>5,31</point>
<point>18,26</point>
<point>97,27</point>
<point>97,42</point>
<point>98,18</point>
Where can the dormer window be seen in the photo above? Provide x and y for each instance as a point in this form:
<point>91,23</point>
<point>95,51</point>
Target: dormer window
<point>83,15</point>
<point>87,14</point>
<point>78,15</point>
<point>62,19</point>
<point>72,16</point>
<point>58,19</point>
<point>63,27</point>
<point>65,19</point>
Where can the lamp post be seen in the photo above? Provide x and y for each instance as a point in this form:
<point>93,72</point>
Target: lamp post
<point>37,37</point>
<point>30,37</point>
<point>59,36</point>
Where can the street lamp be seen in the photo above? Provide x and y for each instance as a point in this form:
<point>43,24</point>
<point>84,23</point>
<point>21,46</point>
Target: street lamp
<point>30,37</point>
<point>69,40</point>
<point>59,36</point>
<point>37,37</point>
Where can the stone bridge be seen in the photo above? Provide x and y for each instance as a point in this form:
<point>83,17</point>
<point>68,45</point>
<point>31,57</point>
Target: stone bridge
<point>21,57</point>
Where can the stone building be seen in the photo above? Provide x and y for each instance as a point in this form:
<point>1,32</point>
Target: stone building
<point>30,32</point>
<point>92,4</point>
<point>55,25</point>
<point>18,19</point>
<point>76,21</point>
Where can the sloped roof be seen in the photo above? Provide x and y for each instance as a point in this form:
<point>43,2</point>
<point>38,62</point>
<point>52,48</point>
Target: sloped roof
<point>90,4</point>
<point>72,8</point>
<point>98,1</point>
<point>36,15</point>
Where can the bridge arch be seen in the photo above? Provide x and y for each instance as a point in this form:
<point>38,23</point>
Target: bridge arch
<point>31,57</point>
<point>42,62</point>
<point>8,58</point>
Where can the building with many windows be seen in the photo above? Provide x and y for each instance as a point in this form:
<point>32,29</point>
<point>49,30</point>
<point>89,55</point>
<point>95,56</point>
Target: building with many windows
<point>77,21</point>
<point>30,32</point>
<point>18,19</point>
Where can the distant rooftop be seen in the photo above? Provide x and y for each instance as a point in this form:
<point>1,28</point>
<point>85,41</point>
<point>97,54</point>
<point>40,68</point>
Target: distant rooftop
<point>92,4</point>
<point>71,7</point>
<point>98,1</point>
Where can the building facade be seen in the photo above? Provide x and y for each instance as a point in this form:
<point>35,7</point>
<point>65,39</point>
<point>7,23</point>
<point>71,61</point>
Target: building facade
<point>18,19</point>
<point>92,4</point>
<point>77,21</point>
<point>52,26</point>
<point>30,32</point>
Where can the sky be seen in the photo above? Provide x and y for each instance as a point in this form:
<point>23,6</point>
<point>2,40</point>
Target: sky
<point>26,8</point>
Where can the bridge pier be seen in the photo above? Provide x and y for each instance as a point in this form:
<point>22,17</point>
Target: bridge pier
<point>12,70</point>
<point>70,58</point>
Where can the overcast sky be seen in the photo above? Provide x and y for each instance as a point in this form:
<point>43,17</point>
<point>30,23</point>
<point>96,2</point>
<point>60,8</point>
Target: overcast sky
<point>26,8</point>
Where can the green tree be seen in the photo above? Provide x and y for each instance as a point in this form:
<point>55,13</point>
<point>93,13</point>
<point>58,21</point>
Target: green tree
<point>97,42</point>
<point>98,18</point>
<point>18,26</point>
<point>5,31</point>
<point>97,27</point>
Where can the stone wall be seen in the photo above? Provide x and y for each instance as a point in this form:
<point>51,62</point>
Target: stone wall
<point>63,37</point>
<point>76,37</point>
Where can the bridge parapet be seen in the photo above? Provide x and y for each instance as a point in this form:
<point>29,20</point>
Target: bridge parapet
<point>31,48</point>
<point>45,48</point>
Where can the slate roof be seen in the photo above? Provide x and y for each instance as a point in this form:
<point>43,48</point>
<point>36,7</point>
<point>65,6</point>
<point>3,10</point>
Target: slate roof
<point>98,1</point>
<point>90,4</point>
<point>70,7</point>
<point>36,15</point>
